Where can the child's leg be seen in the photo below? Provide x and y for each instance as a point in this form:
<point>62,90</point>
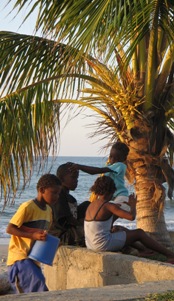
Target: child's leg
<point>13,278</point>
<point>28,277</point>
<point>147,241</point>
<point>136,245</point>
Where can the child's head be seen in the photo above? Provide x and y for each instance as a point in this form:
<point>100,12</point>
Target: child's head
<point>49,187</point>
<point>103,185</point>
<point>118,153</point>
<point>68,178</point>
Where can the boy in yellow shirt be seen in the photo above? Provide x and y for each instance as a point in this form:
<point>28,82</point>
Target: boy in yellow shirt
<point>31,222</point>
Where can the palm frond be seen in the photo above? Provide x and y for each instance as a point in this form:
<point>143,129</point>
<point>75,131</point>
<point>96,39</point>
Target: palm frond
<point>100,25</point>
<point>38,75</point>
<point>27,131</point>
<point>26,60</point>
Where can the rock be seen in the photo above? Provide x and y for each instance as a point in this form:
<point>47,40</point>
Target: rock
<point>5,286</point>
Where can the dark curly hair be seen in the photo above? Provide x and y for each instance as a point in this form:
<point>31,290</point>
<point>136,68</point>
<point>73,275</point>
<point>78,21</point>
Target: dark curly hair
<point>103,185</point>
<point>48,180</point>
<point>64,169</point>
<point>122,150</point>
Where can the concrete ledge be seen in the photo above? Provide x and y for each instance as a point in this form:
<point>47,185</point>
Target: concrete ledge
<point>76,267</point>
<point>129,292</point>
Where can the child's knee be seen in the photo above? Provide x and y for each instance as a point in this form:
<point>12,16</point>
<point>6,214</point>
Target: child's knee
<point>141,232</point>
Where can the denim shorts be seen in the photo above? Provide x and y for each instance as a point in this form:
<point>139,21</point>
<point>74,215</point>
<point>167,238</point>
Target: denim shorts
<point>117,241</point>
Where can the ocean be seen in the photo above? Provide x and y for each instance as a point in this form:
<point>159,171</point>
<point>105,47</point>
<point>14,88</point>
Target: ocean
<point>81,193</point>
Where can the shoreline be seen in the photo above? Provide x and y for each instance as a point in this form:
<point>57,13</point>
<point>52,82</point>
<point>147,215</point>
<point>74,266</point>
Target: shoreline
<point>4,241</point>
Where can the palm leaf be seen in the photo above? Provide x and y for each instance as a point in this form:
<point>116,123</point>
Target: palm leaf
<point>39,74</point>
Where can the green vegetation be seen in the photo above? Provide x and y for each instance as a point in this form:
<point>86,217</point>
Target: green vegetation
<point>169,296</point>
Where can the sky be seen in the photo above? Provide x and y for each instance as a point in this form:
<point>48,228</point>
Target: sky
<point>74,138</point>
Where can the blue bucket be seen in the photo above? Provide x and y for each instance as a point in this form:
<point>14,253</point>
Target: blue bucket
<point>44,251</point>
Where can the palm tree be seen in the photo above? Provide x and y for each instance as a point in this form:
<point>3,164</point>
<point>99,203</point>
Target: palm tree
<point>114,57</point>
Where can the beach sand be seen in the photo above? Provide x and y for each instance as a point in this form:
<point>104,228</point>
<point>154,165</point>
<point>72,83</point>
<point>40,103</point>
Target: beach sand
<point>3,254</point>
<point>4,283</point>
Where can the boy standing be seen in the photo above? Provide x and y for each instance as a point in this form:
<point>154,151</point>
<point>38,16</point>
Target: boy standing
<point>30,223</point>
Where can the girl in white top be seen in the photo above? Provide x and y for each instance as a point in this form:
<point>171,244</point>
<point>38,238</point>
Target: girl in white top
<point>100,215</point>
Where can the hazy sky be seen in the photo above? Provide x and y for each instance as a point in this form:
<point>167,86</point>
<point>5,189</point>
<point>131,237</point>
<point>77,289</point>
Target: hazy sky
<point>74,137</point>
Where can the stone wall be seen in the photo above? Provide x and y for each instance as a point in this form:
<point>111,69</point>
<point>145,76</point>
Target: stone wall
<point>76,267</point>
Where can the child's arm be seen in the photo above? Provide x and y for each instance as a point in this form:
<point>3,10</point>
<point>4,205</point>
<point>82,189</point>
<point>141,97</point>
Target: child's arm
<point>118,212</point>
<point>89,169</point>
<point>23,232</point>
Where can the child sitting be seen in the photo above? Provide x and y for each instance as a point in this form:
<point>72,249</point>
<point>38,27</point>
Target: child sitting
<point>100,235</point>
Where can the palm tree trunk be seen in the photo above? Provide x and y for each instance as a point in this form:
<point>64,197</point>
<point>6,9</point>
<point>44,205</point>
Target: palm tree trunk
<point>150,204</point>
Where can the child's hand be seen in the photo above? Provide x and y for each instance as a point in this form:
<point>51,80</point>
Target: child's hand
<point>132,200</point>
<point>115,229</point>
<point>73,167</point>
<point>39,235</point>
<point>118,228</point>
